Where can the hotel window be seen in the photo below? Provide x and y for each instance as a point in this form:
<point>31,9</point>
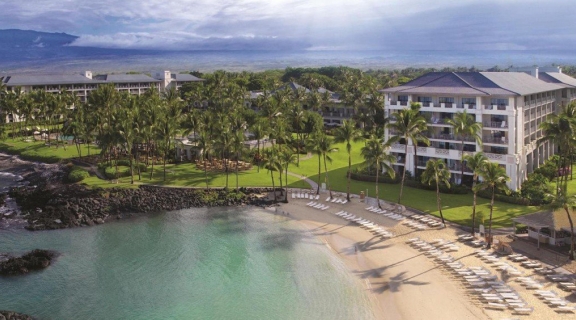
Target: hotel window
<point>448,101</point>
<point>425,101</point>
<point>471,101</point>
<point>500,103</point>
<point>403,100</point>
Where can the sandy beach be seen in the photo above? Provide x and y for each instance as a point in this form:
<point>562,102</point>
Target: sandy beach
<point>402,282</point>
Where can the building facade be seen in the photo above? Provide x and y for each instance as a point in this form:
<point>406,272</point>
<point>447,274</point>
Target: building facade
<point>510,106</point>
<point>82,84</point>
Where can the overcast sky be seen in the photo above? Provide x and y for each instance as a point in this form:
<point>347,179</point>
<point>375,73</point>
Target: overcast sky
<point>303,24</point>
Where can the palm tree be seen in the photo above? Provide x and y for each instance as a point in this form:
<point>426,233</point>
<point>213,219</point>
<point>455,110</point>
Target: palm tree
<point>494,178</point>
<point>238,148</point>
<point>437,172</point>
<point>409,125</point>
<point>465,127</point>
<point>259,130</point>
<point>476,163</point>
<point>348,132</point>
<point>224,144</point>
<point>561,201</point>
<point>272,163</point>
<point>561,130</point>
<point>205,146</point>
<point>321,145</point>
<point>287,157</point>
<point>374,152</point>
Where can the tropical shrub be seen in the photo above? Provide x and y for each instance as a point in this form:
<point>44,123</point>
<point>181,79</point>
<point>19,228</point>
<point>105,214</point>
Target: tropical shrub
<point>77,174</point>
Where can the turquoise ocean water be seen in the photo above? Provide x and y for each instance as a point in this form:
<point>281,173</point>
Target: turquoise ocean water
<point>218,263</point>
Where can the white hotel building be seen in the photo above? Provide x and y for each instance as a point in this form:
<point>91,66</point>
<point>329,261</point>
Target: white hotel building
<point>509,105</point>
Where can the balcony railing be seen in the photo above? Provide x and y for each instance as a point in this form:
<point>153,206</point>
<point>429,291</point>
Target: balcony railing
<point>469,106</point>
<point>495,124</point>
<point>496,140</point>
<point>500,107</point>
<point>495,156</point>
<point>446,104</point>
<point>448,136</point>
<point>398,146</point>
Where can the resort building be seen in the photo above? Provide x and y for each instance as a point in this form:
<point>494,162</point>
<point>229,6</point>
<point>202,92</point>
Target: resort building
<point>82,84</point>
<point>509,105</point>
<point>333,110</point>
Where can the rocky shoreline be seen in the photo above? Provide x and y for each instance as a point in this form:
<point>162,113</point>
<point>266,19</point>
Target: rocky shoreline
<point>68,206</point>
<point>46,202</point>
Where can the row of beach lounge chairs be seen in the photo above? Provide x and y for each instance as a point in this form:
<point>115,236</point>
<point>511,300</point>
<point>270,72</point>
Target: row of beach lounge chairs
<point>386,213</point>
<point>317,205</point>
<point>367,224</point>
<point>550,298</point>
<point>305,195</point>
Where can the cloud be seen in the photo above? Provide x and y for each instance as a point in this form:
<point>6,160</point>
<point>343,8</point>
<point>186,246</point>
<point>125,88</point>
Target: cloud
<point>188,41</point>
<point>285,24</point>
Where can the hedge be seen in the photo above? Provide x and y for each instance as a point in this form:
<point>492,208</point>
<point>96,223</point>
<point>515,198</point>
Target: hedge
<point>410,183</point>
<point>78,174</point>
<point>486,194</point>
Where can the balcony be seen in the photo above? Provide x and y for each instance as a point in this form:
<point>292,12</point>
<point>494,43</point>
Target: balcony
<point>469,106</point>
<point>448,136</point>
<point>398,146</point>
<point>446,104</point>
<point>499,107</point>
<point>495,124</point>
<point>495,140</point>
<point>426,104</point>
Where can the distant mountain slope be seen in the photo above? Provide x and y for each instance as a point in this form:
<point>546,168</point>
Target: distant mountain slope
<point>28,39</point>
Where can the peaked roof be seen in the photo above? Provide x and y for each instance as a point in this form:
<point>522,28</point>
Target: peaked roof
<point>185,77</point>
<point>125,78</point>
<point>474,83</point>
<point>557,78</point>
<point>46,79</point>
<point>557,220</point>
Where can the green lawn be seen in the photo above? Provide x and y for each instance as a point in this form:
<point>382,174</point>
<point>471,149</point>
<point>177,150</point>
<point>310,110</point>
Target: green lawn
<point>39,151</point>
<point>456,208</point>
<point>187,175</point>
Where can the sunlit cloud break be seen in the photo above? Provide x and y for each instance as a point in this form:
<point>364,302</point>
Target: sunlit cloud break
<point>302,24</point>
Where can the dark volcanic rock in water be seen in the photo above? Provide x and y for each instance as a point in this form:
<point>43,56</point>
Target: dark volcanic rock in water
<point>67,206</point>
<point>10,315</point>
<point>33,260</point>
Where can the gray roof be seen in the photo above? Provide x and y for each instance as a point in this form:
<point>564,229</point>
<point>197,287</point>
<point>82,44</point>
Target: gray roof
<point>557,220</point>
<point>185,77</point>
<point>32,80</point>
<point>474,84</point>
<point>558,78</point>
<point>125,78</point>
<point>520,82</point>
<point>294,87</point>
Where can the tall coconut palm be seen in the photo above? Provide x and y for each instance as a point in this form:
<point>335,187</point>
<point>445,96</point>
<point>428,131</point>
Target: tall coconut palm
<point>437,172</point>
<point>375,154</point>
<point>348,133</point>
<point>476,163</point>
<point>494,178</point>
<point>259,130</point>
<point>272,163</point>
<point>465,127</point>
<point>321,145</point>
<point>409,125</point>
<point>204,144</point>
<point>562,201</point>
<point>560,129</point>
<point>287,157</point>
<point>238,148</point>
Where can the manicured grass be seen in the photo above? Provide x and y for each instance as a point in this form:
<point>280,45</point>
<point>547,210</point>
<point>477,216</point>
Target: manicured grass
<point>39,151</point>
<point>456,208</point>
<point>187,175</point>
